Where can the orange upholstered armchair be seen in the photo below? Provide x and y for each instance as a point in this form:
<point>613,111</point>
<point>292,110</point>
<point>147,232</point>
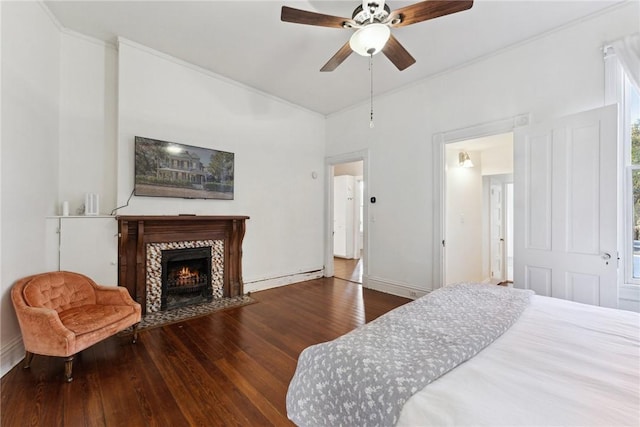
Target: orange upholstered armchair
<point>61,313</point>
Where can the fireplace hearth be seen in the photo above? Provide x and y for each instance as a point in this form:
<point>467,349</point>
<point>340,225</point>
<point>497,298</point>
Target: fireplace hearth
<point>186,277</point>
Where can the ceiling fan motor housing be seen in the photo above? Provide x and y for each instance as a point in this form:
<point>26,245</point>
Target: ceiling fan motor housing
<point>373,13</point>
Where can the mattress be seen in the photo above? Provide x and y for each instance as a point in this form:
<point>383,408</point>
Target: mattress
<point>561,363</point>
<point>363,378</point>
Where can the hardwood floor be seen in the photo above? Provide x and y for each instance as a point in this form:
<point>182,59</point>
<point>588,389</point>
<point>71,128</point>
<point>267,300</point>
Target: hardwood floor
<point>348,269</point>
<point>228,368</point>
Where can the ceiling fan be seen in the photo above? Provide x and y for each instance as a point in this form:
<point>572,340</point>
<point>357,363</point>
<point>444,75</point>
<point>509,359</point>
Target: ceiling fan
<point>373,20</point>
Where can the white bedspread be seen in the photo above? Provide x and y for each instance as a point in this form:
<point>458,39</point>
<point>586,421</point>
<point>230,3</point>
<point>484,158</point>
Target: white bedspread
<point>562,363</point>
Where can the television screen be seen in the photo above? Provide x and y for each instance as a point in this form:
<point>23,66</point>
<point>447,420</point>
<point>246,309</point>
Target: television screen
<point>169,169</point>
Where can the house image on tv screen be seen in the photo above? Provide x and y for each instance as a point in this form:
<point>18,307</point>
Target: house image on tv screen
<point>183,166</point>
<point>168,169</point>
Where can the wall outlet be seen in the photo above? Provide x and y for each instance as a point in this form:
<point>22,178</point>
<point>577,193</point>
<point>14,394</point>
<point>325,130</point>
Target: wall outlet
<point>413,294</point>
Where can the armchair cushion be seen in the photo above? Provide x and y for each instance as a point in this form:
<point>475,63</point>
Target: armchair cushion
<point>58,291</point>
<point>89,318</point>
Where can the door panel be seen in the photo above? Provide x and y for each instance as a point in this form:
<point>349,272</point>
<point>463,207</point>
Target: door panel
<point>538,279</point>
<point>582,188</point>
<point>582,288</point>
<point>565,198</point>
<point>537,189</point>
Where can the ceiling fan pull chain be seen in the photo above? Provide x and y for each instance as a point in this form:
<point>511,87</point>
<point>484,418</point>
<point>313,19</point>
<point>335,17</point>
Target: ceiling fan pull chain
<point>371,93</point>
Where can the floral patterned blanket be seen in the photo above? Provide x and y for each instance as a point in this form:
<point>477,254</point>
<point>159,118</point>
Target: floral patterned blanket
<point>364,377</point>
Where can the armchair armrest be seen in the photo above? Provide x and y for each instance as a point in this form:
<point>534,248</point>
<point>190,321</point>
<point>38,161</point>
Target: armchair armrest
<point>109,295</point>
<point>44,333</point>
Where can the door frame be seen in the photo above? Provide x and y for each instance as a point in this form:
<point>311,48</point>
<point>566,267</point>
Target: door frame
<point>330,163</point>
<point>439,140</point>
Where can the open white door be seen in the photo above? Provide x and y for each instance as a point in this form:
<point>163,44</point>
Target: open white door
<point>496,233</point>
<point>565,207</point>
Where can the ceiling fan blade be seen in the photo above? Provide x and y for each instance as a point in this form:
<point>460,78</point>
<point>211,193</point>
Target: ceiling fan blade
<point>338,58</point>
<point>429,9</point>
<point>298,16</point>
<point>397,54</point>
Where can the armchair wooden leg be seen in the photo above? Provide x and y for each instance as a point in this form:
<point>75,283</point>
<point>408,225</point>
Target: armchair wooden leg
<point>68,366</point>
<point>135,332</point>
<point>28,357</point>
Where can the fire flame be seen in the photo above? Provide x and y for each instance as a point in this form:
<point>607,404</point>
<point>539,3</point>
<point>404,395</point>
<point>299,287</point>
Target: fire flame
<point>187,277</point>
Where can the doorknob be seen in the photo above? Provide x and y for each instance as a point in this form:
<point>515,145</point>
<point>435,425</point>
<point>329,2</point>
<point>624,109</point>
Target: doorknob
<point>606,256</point>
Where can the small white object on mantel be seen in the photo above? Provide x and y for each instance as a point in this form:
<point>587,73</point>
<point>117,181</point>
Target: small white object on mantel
<point>91,204</point>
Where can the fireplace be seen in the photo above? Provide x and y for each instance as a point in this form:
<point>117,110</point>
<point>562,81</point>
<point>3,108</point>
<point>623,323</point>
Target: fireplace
<point>191,261</point>
<point>186,277</point>
<point>143,239</point>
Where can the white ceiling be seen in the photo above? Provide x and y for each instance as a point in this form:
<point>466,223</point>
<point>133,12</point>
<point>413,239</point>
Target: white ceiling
<point>246,41</point>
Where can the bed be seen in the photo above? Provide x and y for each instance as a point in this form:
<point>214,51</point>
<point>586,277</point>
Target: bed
<point>475,354</point>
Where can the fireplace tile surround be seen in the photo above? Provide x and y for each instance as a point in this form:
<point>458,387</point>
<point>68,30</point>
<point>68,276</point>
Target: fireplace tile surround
<point>154,268</point>
<point>142,238</point>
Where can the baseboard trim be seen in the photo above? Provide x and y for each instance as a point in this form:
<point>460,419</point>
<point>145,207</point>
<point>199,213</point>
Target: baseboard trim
<point>11,354</point>
<point>393,288</point>
<point>275,282</point>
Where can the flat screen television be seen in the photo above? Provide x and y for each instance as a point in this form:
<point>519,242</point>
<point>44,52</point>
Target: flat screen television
<point>170,169</point>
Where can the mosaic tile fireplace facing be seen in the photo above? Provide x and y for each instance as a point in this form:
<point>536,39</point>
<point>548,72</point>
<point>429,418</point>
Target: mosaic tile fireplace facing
<point>141,240</point>
<point>202,282</point>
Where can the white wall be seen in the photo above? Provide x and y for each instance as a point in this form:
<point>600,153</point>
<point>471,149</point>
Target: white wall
<point>277,146</point>
<point>29,167</point>
<point>498,160</point>
<point>464,228</point>
<point>352,168</point>
<point>88,74</point>
<point>553,75</point>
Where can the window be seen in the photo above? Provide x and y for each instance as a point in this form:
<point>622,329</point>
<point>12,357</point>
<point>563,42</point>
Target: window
<point>631,144</point>
<point>623,88</point>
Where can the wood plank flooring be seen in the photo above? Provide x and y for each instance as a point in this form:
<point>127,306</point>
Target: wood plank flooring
<point>348,269</point>
<point>228,368</point>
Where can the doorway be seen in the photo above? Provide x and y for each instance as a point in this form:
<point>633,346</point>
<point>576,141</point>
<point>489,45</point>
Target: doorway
<point>478,210</point>
<point>499,237</point>
<point>346,225</point>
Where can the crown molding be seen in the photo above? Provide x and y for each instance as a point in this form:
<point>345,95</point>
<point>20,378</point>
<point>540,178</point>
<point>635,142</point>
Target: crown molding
<point>50,14</point>
<point>101,43</point>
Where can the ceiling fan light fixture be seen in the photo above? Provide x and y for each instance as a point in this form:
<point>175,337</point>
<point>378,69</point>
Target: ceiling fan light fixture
<point>370,39</point>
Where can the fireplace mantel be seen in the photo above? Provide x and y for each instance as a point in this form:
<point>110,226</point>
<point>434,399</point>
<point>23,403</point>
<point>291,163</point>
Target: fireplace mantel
<point>135,232</point>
